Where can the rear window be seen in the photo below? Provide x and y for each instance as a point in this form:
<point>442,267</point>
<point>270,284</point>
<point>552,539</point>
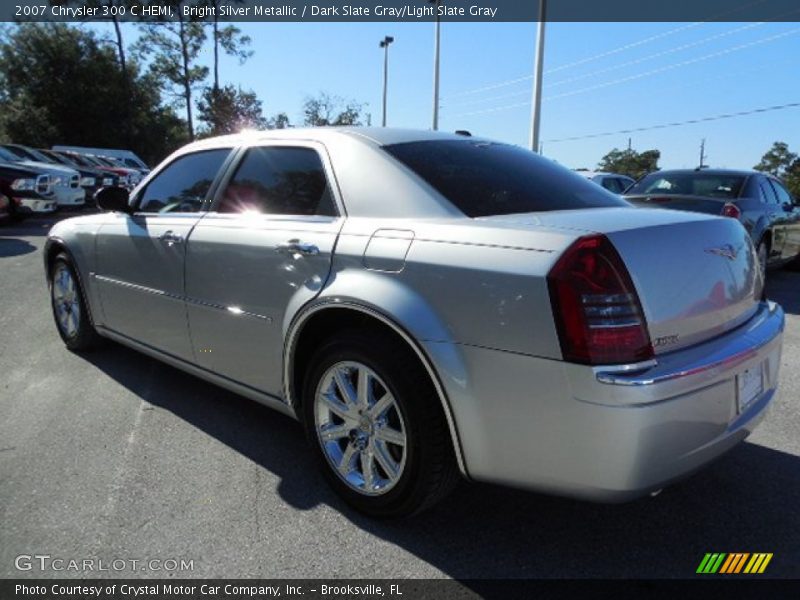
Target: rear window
<point>483,178</point>
<point>694,184</point>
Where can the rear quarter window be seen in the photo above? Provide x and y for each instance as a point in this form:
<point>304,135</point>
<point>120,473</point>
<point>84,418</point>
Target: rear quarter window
<point>482,179</point>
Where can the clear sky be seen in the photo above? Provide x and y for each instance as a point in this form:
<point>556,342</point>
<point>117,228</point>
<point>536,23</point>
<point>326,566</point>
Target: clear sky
<point>599,77</point>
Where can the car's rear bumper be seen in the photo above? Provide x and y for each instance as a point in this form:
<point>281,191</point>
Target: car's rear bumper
<point>603,433</point>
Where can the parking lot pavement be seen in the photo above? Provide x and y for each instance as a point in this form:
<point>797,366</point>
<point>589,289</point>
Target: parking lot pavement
<point>113,455</point>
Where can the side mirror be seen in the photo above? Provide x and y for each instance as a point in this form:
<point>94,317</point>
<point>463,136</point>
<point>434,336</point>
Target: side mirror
<point>113,199</point>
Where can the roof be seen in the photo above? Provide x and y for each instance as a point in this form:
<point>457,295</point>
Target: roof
<point>380,136</point>
<point>740,172</point>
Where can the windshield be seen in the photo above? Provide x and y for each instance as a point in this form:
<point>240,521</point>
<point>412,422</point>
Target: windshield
<point>711,185</point>
<point>483,179</point>
<point>17,154</point>
<point>8,156</point>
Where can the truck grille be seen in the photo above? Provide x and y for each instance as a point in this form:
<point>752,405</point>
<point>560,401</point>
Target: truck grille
<point>43,186</point>
<point>74,181</point>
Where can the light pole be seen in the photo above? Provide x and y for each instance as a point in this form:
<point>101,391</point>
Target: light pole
<point>536,100</point>
<point>385,45</point>
<point>436,66</point>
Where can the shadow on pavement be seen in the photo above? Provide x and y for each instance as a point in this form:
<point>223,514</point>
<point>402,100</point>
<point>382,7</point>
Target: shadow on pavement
<point>783,286</point>
<point>14,247</point>
<point>745,502</point>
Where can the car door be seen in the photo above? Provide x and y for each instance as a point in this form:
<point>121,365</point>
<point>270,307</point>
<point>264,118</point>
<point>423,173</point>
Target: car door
<point>773,216</point>
<point>263,251</point>
<point>791,220</point>
<point>140,257</point>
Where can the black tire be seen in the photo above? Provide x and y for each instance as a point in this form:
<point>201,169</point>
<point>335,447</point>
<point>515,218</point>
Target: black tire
<point>81,335</point>
<point>430,471</point>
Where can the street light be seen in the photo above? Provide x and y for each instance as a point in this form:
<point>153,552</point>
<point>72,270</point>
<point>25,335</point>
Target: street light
<point>385,45</point>
<point>536,100</point>
<point>436,66</point>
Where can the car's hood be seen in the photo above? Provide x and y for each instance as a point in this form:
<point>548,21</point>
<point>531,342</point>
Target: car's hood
<point>49,168</point>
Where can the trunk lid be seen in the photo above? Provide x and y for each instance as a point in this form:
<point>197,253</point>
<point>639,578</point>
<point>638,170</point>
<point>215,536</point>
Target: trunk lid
<point>703,204</point>
<point>697,276</point>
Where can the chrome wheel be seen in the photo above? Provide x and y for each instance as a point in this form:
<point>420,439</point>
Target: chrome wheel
<point>360,428</point>
<point>66,301</point>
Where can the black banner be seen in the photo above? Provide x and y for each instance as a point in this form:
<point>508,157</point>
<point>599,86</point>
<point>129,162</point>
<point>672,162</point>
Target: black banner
<point>399,10</point>
<point>397,589</point>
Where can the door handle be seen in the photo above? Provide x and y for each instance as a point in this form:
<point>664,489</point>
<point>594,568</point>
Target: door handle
<point>170,238</point>
<point>297,248</point>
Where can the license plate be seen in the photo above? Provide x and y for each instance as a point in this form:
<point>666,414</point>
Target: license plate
<point>749,385</point>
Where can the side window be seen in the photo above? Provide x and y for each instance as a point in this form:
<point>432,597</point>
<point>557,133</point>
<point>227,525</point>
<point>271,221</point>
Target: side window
<point>766,192</point>
<point>611,184</point>
<point>784,197</point>
<point>183,184</point>
<point>279,181</point>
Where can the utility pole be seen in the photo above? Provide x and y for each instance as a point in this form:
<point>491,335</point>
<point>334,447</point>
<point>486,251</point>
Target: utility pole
<point>702,153</point>
<point>629,144</point>
<point>436,35</point>
<point>536,100</point>
<point>385,45</point>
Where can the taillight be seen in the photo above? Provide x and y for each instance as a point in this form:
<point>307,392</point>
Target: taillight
<point>731,210</point>
<point>597,311</point>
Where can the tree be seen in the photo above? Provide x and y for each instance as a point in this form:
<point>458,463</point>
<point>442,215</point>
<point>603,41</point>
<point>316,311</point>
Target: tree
<point>228,110</point>
<point>780,162</point>
<point>630,162</point>
<point>59,84</point>
<point>174,47</point>
<point>325,110</point>
<point>229,38</point>
<point>279,121</point>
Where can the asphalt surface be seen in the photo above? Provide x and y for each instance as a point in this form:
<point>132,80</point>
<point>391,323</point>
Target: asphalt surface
<point>113,455</point>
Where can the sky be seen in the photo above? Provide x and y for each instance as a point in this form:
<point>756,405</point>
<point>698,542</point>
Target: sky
<point>598,77</point>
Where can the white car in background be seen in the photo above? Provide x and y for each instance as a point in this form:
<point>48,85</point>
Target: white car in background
<point>613,182</point>
<point>65,182</point>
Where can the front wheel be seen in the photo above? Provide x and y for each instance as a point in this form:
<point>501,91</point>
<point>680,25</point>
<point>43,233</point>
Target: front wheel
<point>69,306</point>
<point>376,425</point>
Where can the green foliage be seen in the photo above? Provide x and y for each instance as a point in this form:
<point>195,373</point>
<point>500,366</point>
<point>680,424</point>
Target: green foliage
<point>174,48</point>
<point>279,121</point>
<point>326,110</point>
<point>60,85</point>
<point>779,161</point>
<point>630,162</point>
<point>228,110</point>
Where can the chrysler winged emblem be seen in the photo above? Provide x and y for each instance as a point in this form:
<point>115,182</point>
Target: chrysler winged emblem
<point>726,251</point>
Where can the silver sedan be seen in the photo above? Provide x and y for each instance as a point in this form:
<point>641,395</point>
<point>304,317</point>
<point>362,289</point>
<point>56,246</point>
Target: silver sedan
<point>432,305</point>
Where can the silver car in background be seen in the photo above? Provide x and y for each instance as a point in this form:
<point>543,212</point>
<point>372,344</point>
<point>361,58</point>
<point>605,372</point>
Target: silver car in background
<point>430,305</point>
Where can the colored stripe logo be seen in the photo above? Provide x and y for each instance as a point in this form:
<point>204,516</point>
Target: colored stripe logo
<point>734,563</point>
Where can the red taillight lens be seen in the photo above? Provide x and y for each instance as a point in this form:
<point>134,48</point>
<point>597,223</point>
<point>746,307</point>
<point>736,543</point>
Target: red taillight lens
<point>596,308</point>
<point>731,210</point>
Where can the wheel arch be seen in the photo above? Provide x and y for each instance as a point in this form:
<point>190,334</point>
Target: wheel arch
<point>52,248</point>
<point>324,318</point>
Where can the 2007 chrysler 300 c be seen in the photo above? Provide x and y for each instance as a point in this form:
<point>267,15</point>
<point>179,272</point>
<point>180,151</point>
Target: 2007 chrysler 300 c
<point>430,305</point>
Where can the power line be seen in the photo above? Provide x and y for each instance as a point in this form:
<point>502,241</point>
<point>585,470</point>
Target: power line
<point>658,54</point>
<point>727,75</point>
<point>742,113</point>
<point>609,52</point>
<point>615,67</point>
<point>675,65</point>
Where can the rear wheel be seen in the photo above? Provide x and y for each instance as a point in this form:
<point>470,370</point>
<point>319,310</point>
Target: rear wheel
<point>376,425</point>
<point>69,306</point>
<point>762,252</point>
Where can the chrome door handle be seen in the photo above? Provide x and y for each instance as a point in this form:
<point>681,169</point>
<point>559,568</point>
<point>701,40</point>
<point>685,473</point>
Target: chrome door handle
<point>170,238</point>
<point>296,247</point>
